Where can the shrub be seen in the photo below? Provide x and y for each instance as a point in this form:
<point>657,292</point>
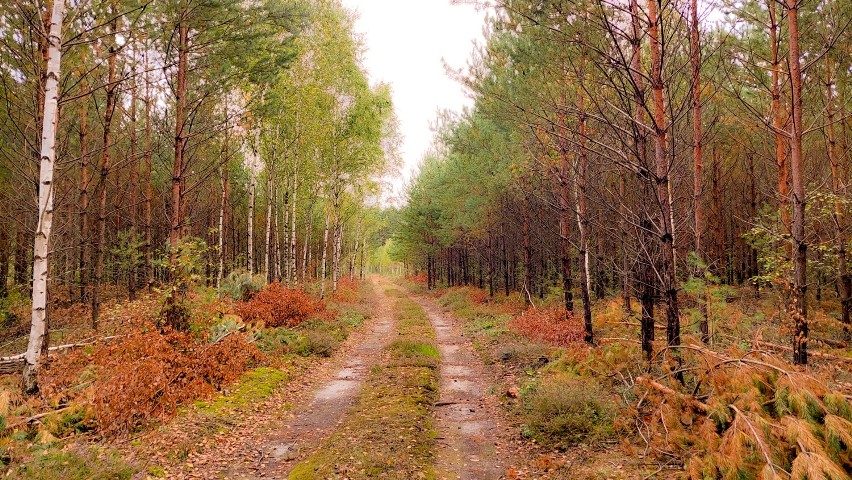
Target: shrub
<point>563,411</point>
<point>347,290</point>
<point>554,326</point>
<point>279,306</point>
<point>240,285</point>
<point>146,376</point>
<point>321,343</point>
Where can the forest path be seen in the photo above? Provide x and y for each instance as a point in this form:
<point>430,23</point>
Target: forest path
<point>314,421</point>
<point>471,438</point>
<point>280,437</point>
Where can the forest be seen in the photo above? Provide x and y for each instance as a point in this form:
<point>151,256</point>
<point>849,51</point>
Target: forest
<point>625,259</point>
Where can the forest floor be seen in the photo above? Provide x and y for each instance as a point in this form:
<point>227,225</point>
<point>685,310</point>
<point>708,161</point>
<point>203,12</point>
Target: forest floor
<point>398,382</point>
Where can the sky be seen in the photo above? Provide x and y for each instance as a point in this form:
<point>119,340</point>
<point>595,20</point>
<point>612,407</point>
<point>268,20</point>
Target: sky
<point>407,43</point>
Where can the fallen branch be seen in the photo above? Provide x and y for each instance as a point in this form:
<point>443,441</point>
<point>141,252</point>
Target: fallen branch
<point>15,363</point>
<point>60,347</point>
<point>32,419</point>
<point>693,403</point>
<point>824,356</point>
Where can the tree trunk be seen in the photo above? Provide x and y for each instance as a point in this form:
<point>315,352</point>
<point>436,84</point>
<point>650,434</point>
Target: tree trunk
<point>149,194</point>
<point>697,179</point>
<point>178,167</point>
<point>267,272</point>
<point>83,261</point>
<point>292,250</point>
<point>223,175</point>
<point>106,164</point>
<point>583,223</point>
<point>800,248</point>
<point>844,280</point>
<point>306,246</point>
<point>324,254</point>
<point>36,347</point>
<point>134,181</point>
<point>666,228</point>
<point>252,198</point>
<point>778,119</point>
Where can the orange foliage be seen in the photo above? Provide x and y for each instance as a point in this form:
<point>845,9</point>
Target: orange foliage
<point>347,290</point>
<point>554,326</point>
<point>279,306</point>
<point>478,296</point>
<point>146,376</point>
<point>419,278</point>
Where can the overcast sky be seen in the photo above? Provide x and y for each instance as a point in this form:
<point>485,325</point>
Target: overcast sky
<point>407,42</point>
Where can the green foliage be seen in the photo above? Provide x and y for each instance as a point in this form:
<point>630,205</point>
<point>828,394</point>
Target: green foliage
<point>184,264</point>
<point>252,388</point>
<point>128,250</point>
<point>56,464</point>
<point>240,285</point>
<point>562,411</point>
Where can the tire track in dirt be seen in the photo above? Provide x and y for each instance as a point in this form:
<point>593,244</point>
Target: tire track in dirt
<point>270,450</point>
<point>317,419</point>
<point>470,443</point>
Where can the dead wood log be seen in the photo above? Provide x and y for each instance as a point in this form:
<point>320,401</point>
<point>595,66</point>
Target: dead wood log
<point>15,363</point>
<point>692,402</point>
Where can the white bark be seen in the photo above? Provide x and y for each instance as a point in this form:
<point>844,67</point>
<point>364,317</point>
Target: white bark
<point>221,271</point>
<point>338,250</point>
<point>266,250</point>
<point>38,328</point>
<point>292,255</point>
<point>284,262</point>
<point>324,254</point>
<point>305,257</point>
<point>252,191</point>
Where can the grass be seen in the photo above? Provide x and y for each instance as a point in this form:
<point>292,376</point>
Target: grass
<point>254,387</point>
<point>562,411</point>
<point>389,434</point>
<point>50,463</point>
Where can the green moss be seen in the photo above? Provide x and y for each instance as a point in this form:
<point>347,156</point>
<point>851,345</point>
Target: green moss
<point>389,434</point>
<point>55,464</point>
<point>156,471</point>
<point>255,386</point>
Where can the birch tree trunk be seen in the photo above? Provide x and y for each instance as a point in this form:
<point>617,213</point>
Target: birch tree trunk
<point>292,250</point>
<point>338,250</point>
<point>252,194</point>
<point>266,250</point>
<point>285,221</point>
<point>324,254</point>
<point>36,347</point>
<point>583,222</point>
<point>564,218</point>
<point>305,247</point>
<point>223,172</point>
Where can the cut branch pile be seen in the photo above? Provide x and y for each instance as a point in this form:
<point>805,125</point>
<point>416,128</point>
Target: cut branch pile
<point>747,415</point>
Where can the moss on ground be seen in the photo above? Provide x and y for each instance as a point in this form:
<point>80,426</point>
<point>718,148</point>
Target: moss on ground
<point>254,386</point>
<point>52,463</point>
<point>390,433</point>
